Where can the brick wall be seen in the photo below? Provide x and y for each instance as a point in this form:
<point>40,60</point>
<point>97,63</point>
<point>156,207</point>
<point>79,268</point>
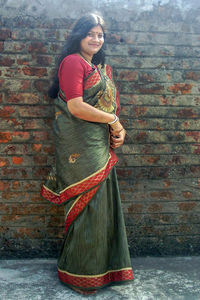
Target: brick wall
<point>154,48</point>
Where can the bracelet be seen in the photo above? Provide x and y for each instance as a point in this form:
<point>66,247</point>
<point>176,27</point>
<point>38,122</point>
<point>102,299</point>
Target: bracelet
<point>114,121</point>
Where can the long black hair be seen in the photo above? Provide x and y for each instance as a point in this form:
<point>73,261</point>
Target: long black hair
<point>79,32</point>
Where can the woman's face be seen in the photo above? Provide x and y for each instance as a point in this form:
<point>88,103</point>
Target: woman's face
<point>93,42</point>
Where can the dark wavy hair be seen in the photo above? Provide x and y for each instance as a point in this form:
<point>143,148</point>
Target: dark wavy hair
<point>79,32</point>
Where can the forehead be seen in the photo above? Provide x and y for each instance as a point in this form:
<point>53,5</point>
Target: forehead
<point>97,29</point>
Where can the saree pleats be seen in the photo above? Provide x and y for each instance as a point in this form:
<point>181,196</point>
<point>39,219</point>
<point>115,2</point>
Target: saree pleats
<point>95,250</point>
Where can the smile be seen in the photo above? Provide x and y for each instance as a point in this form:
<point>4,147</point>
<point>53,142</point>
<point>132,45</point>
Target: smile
<point>95,45</point>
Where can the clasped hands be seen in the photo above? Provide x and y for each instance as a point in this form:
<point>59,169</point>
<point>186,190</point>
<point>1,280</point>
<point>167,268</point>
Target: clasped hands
<point>117,135</point>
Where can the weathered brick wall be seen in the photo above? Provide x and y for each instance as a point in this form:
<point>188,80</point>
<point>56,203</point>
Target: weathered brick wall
<point>154,48</point>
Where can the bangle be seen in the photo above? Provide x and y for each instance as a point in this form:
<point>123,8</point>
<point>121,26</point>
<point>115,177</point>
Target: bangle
<point>114,121</point>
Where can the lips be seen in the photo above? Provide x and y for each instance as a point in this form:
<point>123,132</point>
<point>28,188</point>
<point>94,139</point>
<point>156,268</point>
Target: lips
<point>94,45</point>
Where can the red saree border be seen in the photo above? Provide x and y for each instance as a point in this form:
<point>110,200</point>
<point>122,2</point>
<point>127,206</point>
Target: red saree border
<point>81,186</point>
<point>78,206</point>
<point>95,281</point>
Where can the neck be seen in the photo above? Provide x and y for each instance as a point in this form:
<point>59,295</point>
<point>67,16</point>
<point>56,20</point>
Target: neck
<point>87,57</point>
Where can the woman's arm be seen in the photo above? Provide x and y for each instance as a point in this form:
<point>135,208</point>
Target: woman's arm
<point>87,112</point>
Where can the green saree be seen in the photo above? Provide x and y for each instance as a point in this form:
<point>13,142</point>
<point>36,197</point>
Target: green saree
<point>95,250</point>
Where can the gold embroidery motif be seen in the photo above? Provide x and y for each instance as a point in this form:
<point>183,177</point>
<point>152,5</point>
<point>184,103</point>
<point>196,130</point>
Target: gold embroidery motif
<point>51,178</point>
<point>57,114</point>
<point>105,101</point>
<point>73,157</point>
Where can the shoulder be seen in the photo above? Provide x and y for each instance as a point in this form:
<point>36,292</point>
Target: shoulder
<point>71,60</point>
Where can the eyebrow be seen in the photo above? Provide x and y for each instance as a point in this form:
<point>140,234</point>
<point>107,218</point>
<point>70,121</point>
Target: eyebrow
<point>95,31</point>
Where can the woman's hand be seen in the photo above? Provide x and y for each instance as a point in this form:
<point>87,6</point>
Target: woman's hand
<point>117,139</point>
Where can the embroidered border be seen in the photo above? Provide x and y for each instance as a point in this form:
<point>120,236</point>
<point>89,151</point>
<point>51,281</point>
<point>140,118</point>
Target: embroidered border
<point>89,281</point>
<point>78,206</point>
<point>81,186</point>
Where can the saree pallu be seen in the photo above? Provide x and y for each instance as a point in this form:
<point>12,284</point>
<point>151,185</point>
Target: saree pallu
<point>95,250</point>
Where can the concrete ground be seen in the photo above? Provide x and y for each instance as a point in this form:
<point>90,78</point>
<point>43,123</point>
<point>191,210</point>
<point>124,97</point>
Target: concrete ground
<point>166,278</point>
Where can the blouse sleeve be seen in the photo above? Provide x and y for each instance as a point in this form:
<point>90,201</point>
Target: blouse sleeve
<point>71,74</point>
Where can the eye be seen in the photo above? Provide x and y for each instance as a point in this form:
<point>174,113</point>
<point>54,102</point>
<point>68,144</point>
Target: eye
<point>100,36</point>
<point>90,34</point>
<point>93,35</point>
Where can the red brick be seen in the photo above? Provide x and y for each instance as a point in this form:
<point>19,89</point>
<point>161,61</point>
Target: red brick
<point>40,160</point>
<point>16,149</point>
<point>12,73</point>
<point>28,209</point>
<point>6,111</point>
<point>37,147</point>
<point>142,136</point>
<point>192,75</point>
<point>49,149</point>
<point>44,60</point>
<point>12,173</point>
<point>184,88</point>
<point>135,208</point>
<point>15,185</point>
<point>197,149</point>
<point>37,47</point>
<point>15,196</point>
<point>6,61</point>
<point>5,137</point>
<point>145,77</point>
<point>36,197</point>
<point>128,75</point>
<point>23,98</point>
<point>15,85</point>
<point>194,134</point>
<point>187,195</point>
<point>15,47</point>
<point>187,113</point>
<point>55,210</point>
<point>17,160</point>
<point>57,233</point>
<point>23,220</point>
<point>4,185</point>
<point>33,71</point>
<point>5,34</point>
<point>3,162</point>
<point>31,233</point>
<point>1,46</point>
<point>33,124</point>
<point>20,136</point>
<point>2,83</point>
<point>40,136</point>
<point>187,206</point>
<point>155,207</point>
<point>4,209</point>
<point>56,221</point>
<point>23,61</point>
<point>56,48</point>
<point>154,89</point>
<point>41,173</point>
<point>32,111</point>
<point>42,85</point>
<point>162,195</point>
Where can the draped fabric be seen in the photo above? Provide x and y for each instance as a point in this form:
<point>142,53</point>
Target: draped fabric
<point>95,250</point>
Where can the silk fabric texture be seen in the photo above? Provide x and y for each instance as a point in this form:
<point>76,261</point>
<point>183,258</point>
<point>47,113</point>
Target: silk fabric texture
<point>95,250</point>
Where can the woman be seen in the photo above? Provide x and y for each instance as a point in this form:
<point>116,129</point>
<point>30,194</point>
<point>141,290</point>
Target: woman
<point>86,129</point>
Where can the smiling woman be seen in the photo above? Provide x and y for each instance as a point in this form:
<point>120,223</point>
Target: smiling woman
<point>87,129</point>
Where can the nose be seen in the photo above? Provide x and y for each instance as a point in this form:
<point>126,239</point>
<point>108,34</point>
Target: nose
<point>95,37</point>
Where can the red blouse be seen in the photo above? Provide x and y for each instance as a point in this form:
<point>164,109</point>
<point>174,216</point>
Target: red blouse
<point>72,71</point>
